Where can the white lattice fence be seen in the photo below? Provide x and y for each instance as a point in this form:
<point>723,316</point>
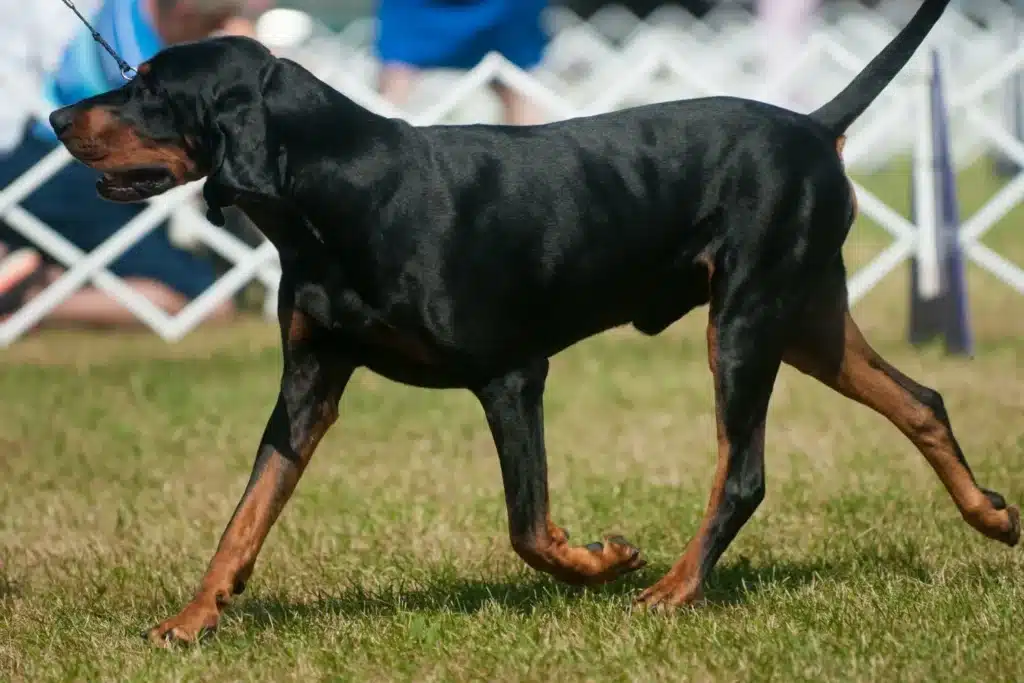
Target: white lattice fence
<point>616,60</point>
<point>968,103</point>
<point>84,268</point>
<point>589,64</point>
<point>612,61</point>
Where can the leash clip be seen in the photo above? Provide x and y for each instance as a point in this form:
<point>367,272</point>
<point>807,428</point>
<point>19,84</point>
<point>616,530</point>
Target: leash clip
<point>128,72</point>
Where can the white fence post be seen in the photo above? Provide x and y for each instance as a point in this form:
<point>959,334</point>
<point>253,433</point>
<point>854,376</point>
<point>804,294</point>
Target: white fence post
<point>924,195</point>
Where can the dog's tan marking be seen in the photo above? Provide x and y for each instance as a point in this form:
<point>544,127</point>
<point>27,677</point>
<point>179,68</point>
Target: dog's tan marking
<point>682,584</point>
<point>102,141</point>
<point>233,562</point>
<point>547,549</point>
<point>867,378</point>
<point>407,345</point>
<point>268,491</point>
<point>840,146</point>
<point>300,327</point>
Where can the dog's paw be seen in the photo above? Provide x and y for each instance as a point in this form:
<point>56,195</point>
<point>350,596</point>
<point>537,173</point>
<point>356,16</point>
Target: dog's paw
<point>671,592</point>
<point>619,557</point>
<point>187,628</point>
<point>1008,534</point>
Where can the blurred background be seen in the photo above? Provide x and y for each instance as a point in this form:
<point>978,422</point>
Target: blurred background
<point>512,61</point>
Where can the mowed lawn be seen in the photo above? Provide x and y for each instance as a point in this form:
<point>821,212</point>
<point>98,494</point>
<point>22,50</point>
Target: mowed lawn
<point>121,459</point>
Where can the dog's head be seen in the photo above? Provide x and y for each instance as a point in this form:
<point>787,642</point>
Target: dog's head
<point>195,110</point>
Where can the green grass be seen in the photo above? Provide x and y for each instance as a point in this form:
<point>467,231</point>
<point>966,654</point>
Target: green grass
<point>122,458</point>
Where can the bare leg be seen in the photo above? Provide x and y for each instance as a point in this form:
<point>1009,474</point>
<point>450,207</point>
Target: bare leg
<point>396,82</point>
<point>519,110</point>
<point>91,307</point>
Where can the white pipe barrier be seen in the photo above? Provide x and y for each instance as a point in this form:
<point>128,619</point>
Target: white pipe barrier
<point>612,61</point>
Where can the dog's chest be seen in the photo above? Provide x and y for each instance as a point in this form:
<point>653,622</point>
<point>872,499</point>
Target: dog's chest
<point>315,282</point>
<point>318,288</point>
<point>365,336</point>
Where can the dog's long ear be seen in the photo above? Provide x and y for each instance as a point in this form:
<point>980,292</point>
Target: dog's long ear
<point>243,152</point>
<point>291,94</point>
<point>249,120</point>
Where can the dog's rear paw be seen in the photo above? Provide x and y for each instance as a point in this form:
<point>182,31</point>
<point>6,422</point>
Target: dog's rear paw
<point>1010,533</point>
<point>621,557</point>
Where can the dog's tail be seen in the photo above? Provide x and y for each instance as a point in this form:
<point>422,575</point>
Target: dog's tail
<point>841,111</point>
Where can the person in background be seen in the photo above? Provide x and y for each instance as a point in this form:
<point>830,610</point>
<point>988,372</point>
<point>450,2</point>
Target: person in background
<point>32,38</point>
<point>786,26</point>
<point>165,274</point>
<point>456,34</point>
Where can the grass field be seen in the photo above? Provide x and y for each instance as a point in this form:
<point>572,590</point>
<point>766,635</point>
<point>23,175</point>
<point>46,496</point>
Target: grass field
<point>122,458</point>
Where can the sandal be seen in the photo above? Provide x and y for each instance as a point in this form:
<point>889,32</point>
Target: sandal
<point>20,272</point>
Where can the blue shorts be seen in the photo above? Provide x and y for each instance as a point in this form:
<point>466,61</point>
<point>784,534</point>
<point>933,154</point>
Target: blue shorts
<point>68,203</point>
<point>457,34</point>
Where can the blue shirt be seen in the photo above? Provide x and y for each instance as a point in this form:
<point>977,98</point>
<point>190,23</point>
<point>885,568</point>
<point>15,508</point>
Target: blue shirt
<point>86,69</point>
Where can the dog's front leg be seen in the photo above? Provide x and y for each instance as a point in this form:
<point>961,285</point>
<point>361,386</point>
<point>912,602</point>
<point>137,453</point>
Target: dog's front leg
<point>307,406</point>
<point>514,408</point>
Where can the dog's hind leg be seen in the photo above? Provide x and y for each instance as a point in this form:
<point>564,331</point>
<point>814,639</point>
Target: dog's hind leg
<point>307,406</point>
<point>513,405</point>
<point>746,331</point>
<point>831,348</point>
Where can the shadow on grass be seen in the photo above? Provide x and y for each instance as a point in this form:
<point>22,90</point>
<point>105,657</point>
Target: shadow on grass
<point>8,589</point>
<point>732,583</point>
<point>736,582</point>
<point>447,595</point>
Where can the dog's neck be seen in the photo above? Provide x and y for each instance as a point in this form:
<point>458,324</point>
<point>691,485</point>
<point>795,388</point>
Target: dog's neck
<point>321,156</point>
<point>300,124</point>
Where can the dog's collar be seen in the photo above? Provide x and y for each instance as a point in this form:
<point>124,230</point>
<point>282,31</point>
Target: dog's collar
<point>218,197</point>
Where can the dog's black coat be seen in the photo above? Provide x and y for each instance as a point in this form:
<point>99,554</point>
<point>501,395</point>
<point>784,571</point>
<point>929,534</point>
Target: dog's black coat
<point>485,248</point>
<point>492,248</point>
<point>465,256</point>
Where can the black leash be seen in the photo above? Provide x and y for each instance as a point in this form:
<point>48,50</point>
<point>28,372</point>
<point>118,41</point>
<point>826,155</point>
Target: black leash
<point>127,70</point>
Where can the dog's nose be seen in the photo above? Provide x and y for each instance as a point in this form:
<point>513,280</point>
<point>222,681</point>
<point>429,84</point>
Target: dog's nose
<point>61,120</point>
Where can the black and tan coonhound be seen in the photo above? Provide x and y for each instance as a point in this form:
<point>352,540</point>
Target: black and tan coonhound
<point>466,256</point>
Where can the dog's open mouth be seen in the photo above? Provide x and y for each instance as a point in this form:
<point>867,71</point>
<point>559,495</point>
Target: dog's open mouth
<point>136,183</point>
